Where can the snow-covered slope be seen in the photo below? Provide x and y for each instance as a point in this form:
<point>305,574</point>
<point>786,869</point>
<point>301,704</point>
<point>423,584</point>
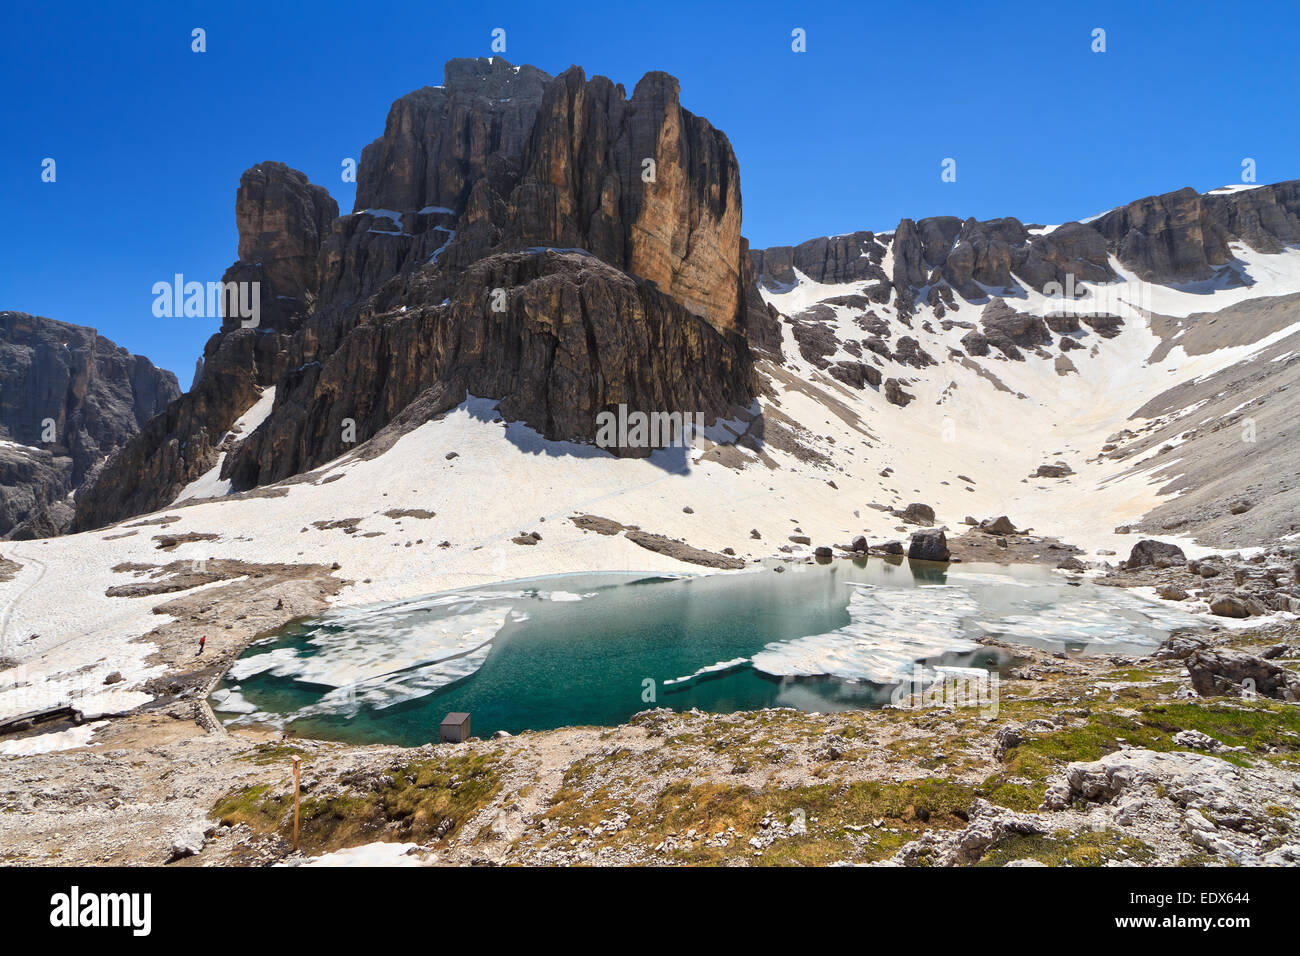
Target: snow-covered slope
<point>1136,405</point>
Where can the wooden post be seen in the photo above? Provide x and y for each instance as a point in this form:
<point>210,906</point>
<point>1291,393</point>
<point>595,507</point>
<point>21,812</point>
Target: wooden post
<point>297,784</point>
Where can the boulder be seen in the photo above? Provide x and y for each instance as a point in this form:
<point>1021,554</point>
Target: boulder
<point>1217,672</point>
<point>1000,526</point>
<point>929,545</point>
<point>895,394</point>
<point>188,841</point>
<point>1152,553</point>
<point>1228,605</point>
<point>1058,470</point>
<point>917,513</point>
<point>1008,330</point>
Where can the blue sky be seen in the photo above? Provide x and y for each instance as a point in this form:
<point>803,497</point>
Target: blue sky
<point>150,138</point>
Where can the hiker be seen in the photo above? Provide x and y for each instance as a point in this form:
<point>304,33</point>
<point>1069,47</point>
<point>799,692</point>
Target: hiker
<point>202,640</point>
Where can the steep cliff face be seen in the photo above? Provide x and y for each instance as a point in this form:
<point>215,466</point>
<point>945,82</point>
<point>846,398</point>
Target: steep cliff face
<point>577,337</point>
<point>281,219</point>
<point>1166,237</point>
<point>546,241</point>
<point>650,300</point>
<point>68,398</point>
<point>642,183</point>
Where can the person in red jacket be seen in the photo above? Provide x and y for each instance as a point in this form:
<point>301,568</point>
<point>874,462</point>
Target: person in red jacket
<point>202,640</point>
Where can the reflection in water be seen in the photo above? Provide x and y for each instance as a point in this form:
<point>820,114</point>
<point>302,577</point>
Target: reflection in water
<point>597,648</point>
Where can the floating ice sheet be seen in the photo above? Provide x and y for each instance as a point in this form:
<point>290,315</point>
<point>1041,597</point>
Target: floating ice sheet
<point>717,668</point>
<point>890,629</point>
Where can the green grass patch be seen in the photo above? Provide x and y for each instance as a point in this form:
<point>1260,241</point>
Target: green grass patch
<point>423,802</point>
<point>1065,848</point>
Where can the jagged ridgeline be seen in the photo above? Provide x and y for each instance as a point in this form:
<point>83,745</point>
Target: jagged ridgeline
<point>1181,236</point>
<point>546,241</point>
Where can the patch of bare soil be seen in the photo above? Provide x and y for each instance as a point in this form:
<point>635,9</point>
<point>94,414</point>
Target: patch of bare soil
<point>682,551</point>
<point>255,600</point>
<point>170,542</point>
<point>346,525</point>
<point>977,545</point>
<point>605,526</point>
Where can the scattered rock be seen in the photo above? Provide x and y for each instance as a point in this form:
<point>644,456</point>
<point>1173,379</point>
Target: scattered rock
<point>682,551</point>
<point>1223,673</point>
<point>1001,525</point>
<point>929,545</point>
<point>1058,470</point>
<point>1228,605</point>
<point>1160,554</point>
<point>917,513</point>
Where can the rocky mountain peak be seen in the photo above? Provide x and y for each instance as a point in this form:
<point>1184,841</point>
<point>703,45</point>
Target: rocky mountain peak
<point>439,140</point>
<point>607,227</point>
<point>281,218</point>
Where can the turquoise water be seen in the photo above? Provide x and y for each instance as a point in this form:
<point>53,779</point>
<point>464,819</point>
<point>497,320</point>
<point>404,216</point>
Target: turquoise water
<point>595,649</point>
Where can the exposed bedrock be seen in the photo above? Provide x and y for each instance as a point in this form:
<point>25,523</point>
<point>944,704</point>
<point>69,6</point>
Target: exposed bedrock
<point>1175,237</point>
<point>577,337</point>
<point>68,397</point>
<point>280,218</point>
<point>439,281</point>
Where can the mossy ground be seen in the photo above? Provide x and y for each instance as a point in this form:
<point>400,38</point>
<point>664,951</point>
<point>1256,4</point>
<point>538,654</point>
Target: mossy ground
<point>424,801</point>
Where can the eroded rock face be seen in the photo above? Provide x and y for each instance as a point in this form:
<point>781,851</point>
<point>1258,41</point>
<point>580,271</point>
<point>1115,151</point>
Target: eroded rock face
<point>1266,219</point>
<point>68,382</point>
<point>585,185</point>
<point>849,258</point>
<point>548,242</point>
<point>439,141</point>
<point>281,219</point>
<point>578,337</point>
<point>1175,237</point>
<point>1168,236</point>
